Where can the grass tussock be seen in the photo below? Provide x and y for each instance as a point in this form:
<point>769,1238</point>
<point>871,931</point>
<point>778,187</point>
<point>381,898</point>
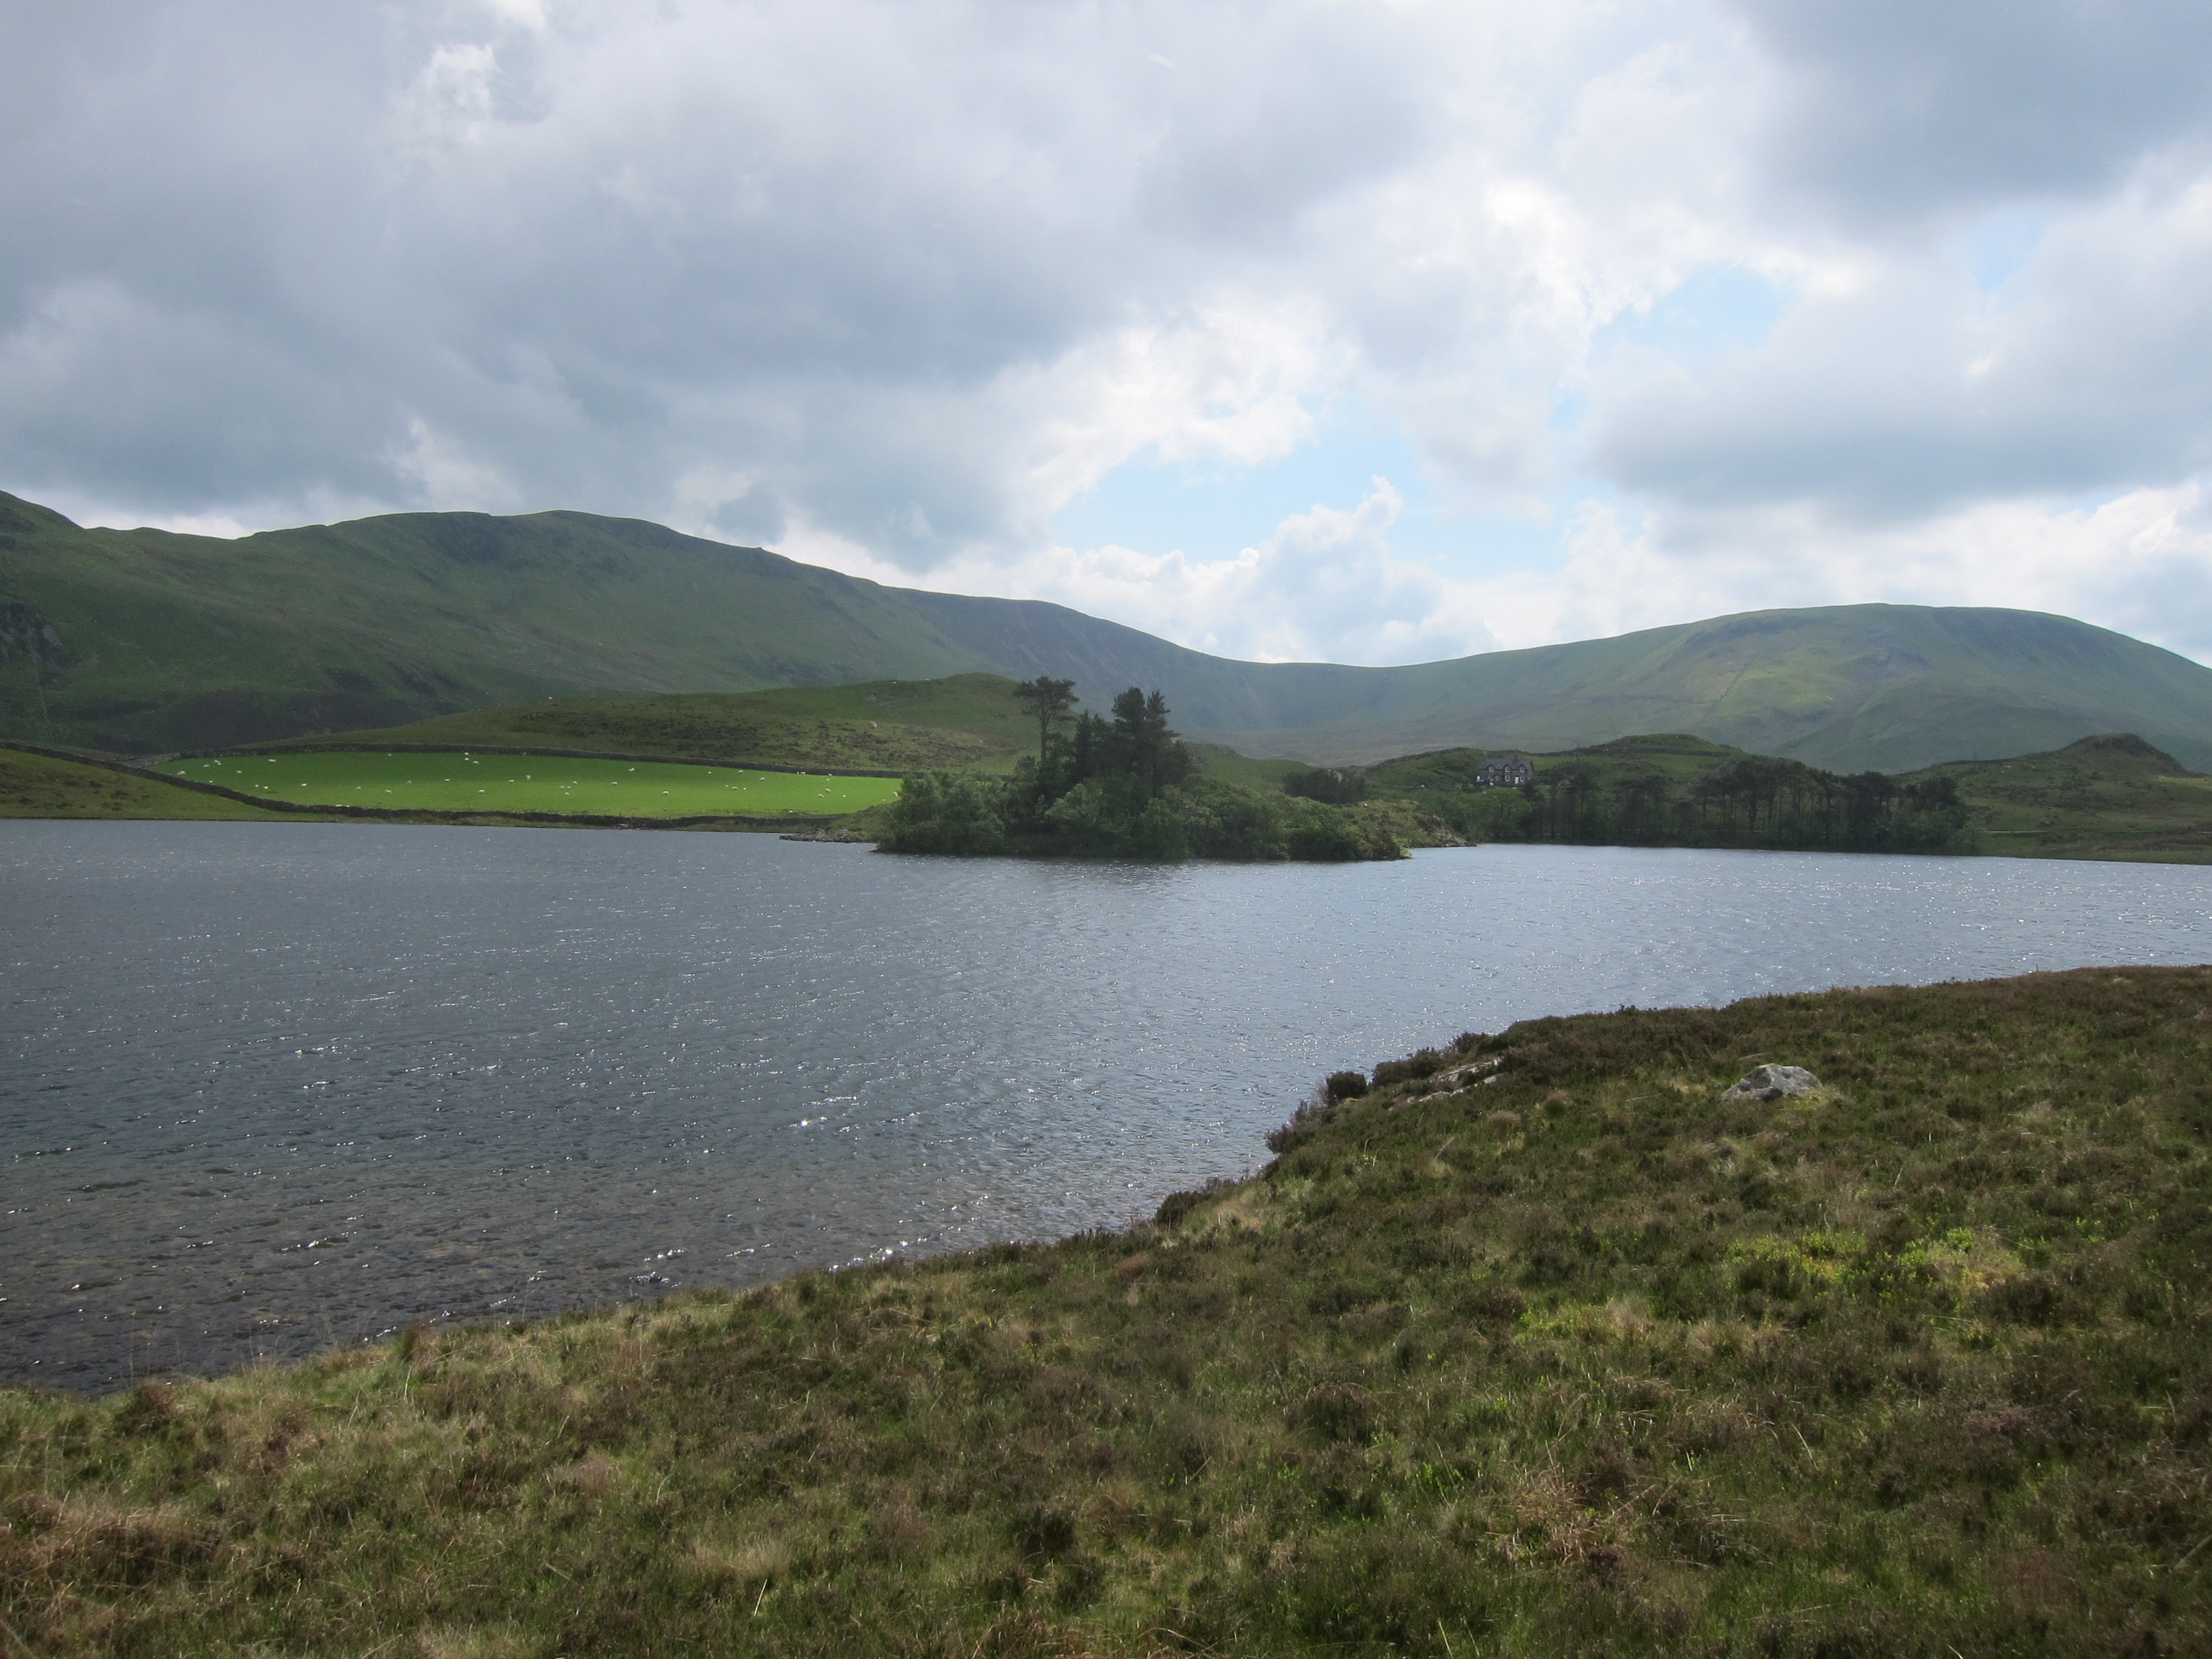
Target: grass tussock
<point>1571,1356</point>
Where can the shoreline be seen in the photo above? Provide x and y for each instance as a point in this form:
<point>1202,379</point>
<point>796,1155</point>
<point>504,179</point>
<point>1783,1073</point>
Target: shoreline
<point>2009,842</point>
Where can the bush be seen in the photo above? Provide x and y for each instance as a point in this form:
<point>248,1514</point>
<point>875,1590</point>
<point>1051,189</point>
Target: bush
<point>1487,814</point>
<point>1224,821</point>
<point>1119,814</point>
<point>1345,1085</point>
<point>1158,833</point>
<point>1335,1411</point>
<point>1177,1206</point>
<point>948,813</point>
<point>1427,1063</point>
<point>1326,837</point>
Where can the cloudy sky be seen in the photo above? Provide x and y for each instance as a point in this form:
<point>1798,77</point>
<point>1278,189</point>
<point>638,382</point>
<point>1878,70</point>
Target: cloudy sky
<point>1374,333</point>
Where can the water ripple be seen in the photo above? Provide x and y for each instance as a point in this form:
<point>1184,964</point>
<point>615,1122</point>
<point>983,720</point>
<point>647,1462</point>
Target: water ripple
<point>270,1087</point>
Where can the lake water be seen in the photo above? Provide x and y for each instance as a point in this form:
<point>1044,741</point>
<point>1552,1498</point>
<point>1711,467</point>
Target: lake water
<point>270,1087</point>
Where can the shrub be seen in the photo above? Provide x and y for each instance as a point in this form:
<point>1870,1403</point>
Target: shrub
<point>1043,1532</point>
<point>1176,1206</point>
<point>1345,1085</point>
<point>1326,837</point>
<point>1490,1302</point>
<point>948,813</point>
<point>1159,834</point>
<point>1335,1411</point>
<point>1224,821</point>
<point>1427,1063</point>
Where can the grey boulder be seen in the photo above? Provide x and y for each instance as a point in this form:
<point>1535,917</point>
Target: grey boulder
<point>1772,1083</point>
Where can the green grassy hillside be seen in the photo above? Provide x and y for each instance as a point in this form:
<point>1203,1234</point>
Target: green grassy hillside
<point>2110,797</point>
<point>142,640</point>
<point>891,727</point>
<point>1845,687</point>
<point>1674,755</point>
<point>150,641</point>
<point>1567,1352</point>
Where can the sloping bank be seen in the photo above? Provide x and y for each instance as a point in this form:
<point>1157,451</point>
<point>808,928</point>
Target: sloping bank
<point>1580,1357</point>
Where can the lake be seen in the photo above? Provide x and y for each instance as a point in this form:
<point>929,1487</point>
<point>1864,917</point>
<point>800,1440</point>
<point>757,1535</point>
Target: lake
<point>273,1087</point>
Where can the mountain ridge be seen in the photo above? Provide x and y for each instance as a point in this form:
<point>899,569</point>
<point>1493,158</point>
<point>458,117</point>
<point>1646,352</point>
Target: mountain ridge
<point>145,640</point>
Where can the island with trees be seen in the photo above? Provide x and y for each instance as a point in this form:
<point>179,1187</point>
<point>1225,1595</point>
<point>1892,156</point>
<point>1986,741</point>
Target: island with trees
<point>1124,786</point>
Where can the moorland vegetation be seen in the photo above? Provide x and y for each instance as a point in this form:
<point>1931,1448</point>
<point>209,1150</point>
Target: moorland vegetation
<point>1122,786</point>
<point>1535,1343</point>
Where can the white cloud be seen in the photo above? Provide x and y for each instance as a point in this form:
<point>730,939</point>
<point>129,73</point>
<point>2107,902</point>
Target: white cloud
<point>1914,392</point>
<point>1325,583</point>
<point>2141,563</point>
<point>1235,382</point>
<point>445,472</point>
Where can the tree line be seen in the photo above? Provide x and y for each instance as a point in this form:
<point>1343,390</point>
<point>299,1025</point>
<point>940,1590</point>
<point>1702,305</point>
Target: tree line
<point>1757,801</point>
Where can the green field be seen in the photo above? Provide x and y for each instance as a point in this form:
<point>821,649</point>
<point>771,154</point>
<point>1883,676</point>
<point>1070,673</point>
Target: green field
<point>967,721</point>
<point>460,782</point>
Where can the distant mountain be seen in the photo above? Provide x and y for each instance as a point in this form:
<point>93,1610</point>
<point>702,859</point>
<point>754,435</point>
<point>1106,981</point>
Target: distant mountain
<point>142,640</point>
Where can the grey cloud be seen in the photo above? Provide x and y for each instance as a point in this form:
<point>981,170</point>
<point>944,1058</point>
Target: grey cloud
<point>1897,108</point>
<point>104,392</point>
<point>801,242</point>
<point>1258,126</point>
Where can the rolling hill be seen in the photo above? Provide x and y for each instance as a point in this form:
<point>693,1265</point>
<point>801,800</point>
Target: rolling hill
<point>142,640</point>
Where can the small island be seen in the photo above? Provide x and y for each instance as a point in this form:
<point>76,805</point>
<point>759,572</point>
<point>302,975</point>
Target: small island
<point>1125,786</point>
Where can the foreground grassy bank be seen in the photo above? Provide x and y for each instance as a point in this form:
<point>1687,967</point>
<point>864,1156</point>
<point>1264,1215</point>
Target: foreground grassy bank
<point>1585,1358</point>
